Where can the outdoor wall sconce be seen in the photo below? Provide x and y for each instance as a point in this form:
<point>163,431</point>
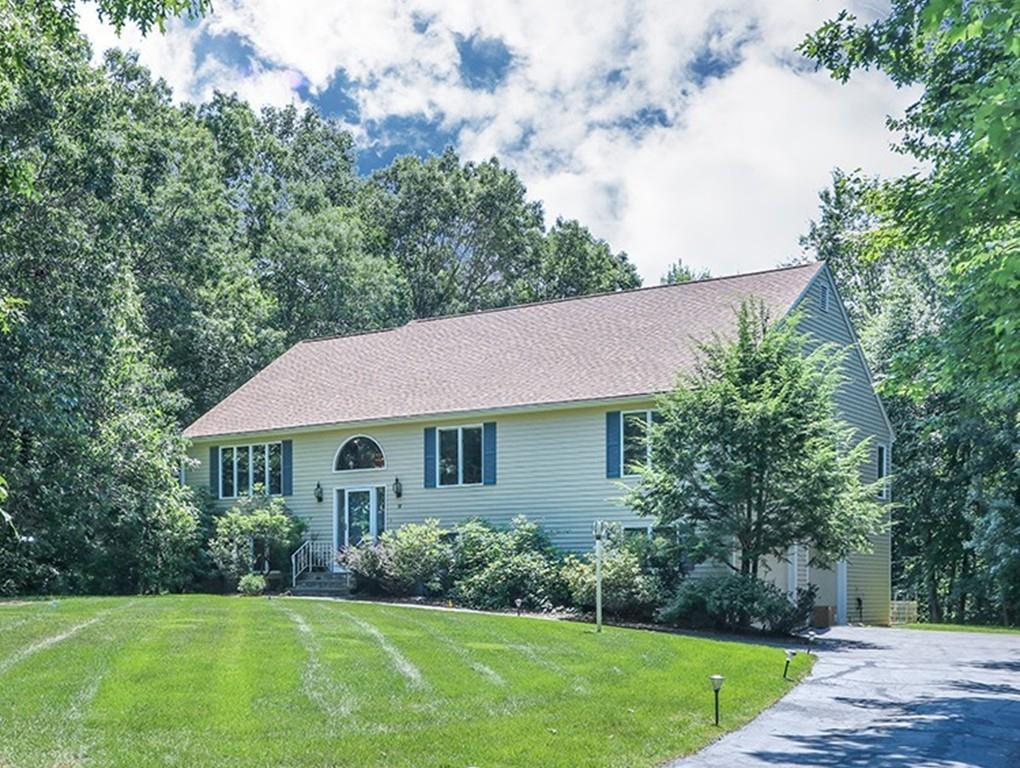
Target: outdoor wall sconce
<point>398,487</point>
<point>318,492</point>
<point>717,681</point>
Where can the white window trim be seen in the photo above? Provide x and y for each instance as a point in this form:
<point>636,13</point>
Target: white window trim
<point>623,439</point>
<point>362,469</point>
<point>251,469</point>
<point>460,456</point>
<point>824,298</point>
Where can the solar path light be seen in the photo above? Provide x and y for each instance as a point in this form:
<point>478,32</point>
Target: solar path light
<point>789,657</point>
<point>717,681</point>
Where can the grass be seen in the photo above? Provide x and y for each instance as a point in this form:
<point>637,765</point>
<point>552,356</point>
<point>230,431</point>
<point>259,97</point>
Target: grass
<point>964,628</point>
<point>221,681</point>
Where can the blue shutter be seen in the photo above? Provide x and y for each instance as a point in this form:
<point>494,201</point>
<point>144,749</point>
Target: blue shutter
<point>613,444</point>
<point>380,510</point>
<point>430,457</point>
<point>489,453</point>
<point>214,471</point>
<point>287,464</point>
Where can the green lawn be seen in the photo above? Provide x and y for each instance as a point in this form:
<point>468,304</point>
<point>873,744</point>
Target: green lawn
<point>224,681</point>
<point>963,628</point>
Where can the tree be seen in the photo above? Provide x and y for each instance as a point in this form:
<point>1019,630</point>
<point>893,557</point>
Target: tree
<point>964,57</point>
<point>953,470</point>
<point>255,520</point>
<point>679,272</point>
<point>750,456</point>
<point>462,236</point>
<point>575,263</point>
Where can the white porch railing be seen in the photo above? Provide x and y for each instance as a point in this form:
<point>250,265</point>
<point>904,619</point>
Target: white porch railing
<point>311,555</point>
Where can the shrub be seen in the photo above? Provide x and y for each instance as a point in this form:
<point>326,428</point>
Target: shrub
<point>494,568</point>
<point>626,589</point>
<point>367,563</point>
<point>254,520</point>
<point>252,584</point>
<point>530,577</point>
<point>415,559</point>
<point>737,602</point>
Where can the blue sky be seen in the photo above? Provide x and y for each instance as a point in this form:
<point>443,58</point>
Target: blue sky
<point>673,130</point>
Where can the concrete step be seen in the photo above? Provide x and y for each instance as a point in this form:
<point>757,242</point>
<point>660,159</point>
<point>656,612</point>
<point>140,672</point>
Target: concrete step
<point>322,584</point>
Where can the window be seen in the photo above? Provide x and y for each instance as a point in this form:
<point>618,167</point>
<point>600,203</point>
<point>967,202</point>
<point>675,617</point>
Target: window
<point>243,467</point>
<point>636,446</point>
<point>824,298</point>
<point>460,456</point>
<point>882,471</point>
<point>359,453</point>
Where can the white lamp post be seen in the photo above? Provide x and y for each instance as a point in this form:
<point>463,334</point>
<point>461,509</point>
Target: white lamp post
<point>717,681</point>
<point>600,530</point>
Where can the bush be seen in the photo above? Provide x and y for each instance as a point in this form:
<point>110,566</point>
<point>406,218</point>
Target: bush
<point>494,568</point>
<point>626,590</point>
<point>252,584</point>
<point>249,531</point>
<point>415,559</point>
<point>737,602</point>
<point>531,577</point>
<point>367,563</point>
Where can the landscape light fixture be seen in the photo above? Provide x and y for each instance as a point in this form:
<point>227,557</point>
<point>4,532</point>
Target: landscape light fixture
<point>398,487</point>
<point>810,639</point>
<point>789,657</point>
<point>318,491</point>
<point>717,681</point>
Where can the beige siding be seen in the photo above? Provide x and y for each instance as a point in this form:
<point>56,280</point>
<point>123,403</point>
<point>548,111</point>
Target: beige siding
<point>551,466</point>
<point>868,575</point>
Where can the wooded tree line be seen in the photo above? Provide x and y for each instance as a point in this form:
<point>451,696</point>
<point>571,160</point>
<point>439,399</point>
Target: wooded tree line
<point>153,256</point>
<point>929,266</point>
<point>159,255</point>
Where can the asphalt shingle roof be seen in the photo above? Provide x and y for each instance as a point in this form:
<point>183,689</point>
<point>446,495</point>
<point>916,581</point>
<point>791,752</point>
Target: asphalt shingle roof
<point>587,348</point>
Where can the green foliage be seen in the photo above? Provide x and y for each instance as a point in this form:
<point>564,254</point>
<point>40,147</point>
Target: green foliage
<point>965,59</point>
<point>252,584</point>
<point>679,272</point>
<point>155,256</point>
<point>574,263</point>
<point>528,576</point>
<point>749,452</point>
<point>246,534</point>
<point>475,564</point>
<point>419,559</point>
<point>628,589</point>
<point>737,602</point>
<point>956,475</point>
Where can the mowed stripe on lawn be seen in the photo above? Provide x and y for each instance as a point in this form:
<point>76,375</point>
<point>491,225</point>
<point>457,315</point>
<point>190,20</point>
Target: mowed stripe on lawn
<point>332,696</point>
<point>218,682</point>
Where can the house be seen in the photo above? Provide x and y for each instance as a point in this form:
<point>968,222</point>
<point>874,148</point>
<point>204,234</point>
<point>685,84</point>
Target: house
<point>535,410</point>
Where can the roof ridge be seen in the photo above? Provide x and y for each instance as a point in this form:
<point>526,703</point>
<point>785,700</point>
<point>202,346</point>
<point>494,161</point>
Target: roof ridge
<point>603,294</point>
<point>560,300</point>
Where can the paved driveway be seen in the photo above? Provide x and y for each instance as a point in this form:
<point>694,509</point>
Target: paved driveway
<point>890,697</point>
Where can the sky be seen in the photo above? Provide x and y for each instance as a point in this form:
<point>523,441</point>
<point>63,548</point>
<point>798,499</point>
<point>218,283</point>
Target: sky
<point>672,129</point>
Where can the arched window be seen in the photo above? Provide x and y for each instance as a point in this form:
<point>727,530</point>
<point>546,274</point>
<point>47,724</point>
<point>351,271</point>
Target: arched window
<point>359,453</point>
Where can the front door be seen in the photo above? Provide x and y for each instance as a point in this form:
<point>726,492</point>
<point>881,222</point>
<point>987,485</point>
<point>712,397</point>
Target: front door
<point>359,515</point>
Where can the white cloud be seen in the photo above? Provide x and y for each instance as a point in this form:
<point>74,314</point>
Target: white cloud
<point>729,182</point>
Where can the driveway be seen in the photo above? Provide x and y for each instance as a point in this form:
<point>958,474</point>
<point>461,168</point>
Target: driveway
<point>890,697</point>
